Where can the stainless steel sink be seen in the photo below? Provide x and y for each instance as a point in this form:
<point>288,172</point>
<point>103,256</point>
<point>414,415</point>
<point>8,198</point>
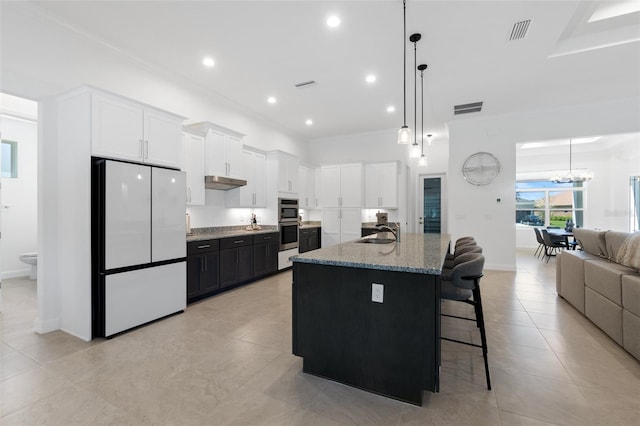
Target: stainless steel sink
<point>375,240</point>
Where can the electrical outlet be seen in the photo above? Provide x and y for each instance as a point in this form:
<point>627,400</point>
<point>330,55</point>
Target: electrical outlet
<point>377,292</point>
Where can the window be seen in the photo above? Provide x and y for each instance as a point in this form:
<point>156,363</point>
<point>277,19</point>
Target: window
<point>543,203</point>
<point>634,203</point>
<point>9,167</point>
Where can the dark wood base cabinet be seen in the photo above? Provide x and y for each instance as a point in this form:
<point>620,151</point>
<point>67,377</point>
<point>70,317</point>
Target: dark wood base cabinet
<point>309,239</point>
<point>220,264</point>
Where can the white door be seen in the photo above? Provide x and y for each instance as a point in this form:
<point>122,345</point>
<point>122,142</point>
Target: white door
<point>168,207</point>
<point>127,214</point>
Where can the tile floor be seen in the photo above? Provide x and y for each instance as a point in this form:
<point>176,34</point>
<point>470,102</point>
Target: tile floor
<point>227,361</point>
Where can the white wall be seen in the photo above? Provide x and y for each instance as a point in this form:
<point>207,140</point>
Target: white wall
<point>19,198</point>
<point>474,210</point>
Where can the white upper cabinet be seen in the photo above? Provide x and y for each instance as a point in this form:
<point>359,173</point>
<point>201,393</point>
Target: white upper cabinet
<point>126,130</point>
<point>287,173</point>
<point>307,187</point>
<point>253,194</point>
<point>223,150</point>
<point>193,165</point>
<point>341,185</point>
<point>381,185</point>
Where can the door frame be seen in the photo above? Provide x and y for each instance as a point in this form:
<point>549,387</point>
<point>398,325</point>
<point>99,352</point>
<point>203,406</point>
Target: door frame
<point>444,213</point>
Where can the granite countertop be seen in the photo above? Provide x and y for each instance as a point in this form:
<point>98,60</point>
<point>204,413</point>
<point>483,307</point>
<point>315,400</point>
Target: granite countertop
<point>308,225</point>
<point>418,253</point>
<point>200,234</point>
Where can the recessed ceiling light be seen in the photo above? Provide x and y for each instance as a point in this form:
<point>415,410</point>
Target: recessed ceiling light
<point>208,62</point>
<point>309,122</point>
<point>333,21</point>
<point>391,108</point>
<point>271,100</point>
<point>370,78</point>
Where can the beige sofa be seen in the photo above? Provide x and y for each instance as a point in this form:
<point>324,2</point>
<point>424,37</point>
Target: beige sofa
<point>601,287</point>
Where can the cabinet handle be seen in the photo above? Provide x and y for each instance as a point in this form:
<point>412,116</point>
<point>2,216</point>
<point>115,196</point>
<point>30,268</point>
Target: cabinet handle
<point>189,192</point>
<point>206,267</point>
<point>141,148</point>
<point>306,201</point>
<point>204,246</point>
<point>238,241</point>
<point>146,149</point>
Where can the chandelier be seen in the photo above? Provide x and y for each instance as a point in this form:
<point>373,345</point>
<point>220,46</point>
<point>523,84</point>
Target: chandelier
<point>580,176</point>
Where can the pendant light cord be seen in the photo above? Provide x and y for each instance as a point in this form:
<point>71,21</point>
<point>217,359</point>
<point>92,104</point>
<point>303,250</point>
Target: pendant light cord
<point>415,93</point>
<point>422,108</point>
<point>404,74</point>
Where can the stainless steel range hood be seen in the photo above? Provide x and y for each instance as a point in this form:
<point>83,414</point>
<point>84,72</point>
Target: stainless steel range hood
<point>222,182</point>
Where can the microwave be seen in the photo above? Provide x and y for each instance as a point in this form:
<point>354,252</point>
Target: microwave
<point>287,210</point>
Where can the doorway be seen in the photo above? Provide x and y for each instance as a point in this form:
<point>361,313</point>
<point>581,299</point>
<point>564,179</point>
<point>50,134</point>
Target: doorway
<point>432,206</point>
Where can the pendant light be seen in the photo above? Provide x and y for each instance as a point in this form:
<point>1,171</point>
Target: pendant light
<point>570,178</point>
<point>415,149</point>
<point>423,159</point>
<point>404,134</point>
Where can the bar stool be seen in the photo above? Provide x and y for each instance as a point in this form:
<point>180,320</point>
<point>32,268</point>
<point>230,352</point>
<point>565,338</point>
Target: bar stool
<point>449,264</point>
<point>464,286</point>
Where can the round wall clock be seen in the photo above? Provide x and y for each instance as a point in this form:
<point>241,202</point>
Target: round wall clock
<point>481,168</point>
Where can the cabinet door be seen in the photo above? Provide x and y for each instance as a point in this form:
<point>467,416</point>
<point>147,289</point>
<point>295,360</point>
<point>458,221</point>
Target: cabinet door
<point>330,186</point>
<point>233,155</point>
<point>193,165</point>
<point>292,173</point>
<point>303,196</point>
<point>272,256</point>
<point>245,263</point>
<point>260,180</point>
<point>372,186</point>
<point>228,267</point>
<point>117,128</point>
<point>215,161</point>
<point>313,242</point>
<point>194,269</point>
<point>350,224</point>
<point>246,194</point>
<point>351,185</point>
<point>330,227</point>
<point>211,275</point>
<point>162,139</point>
<point>388,185</point>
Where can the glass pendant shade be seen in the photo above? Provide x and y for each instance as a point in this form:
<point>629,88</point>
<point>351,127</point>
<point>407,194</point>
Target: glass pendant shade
<point>404,135</point>
<point>422,162</point>
<point>414,152</point>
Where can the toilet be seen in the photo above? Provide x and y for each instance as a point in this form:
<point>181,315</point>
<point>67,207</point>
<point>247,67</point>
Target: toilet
<point>31,259</point>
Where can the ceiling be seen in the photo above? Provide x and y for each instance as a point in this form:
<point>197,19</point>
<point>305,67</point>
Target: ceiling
<point>263,48</point>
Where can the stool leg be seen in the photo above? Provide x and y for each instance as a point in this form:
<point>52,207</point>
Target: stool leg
<point>483,335</point>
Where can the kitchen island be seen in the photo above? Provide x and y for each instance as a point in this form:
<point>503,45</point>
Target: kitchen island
<point>390,346</point>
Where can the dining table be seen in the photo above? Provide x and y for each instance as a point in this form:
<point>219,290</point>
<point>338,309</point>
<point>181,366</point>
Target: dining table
<point>563,233</point>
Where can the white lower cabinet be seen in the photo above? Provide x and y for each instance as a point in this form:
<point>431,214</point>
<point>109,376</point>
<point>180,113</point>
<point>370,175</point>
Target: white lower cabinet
<point>340,225</point>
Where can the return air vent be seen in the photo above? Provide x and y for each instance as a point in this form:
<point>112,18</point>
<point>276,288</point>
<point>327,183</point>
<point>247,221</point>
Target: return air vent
<point>467,108</point>
<point>519,30</point>
<point>306,84</point>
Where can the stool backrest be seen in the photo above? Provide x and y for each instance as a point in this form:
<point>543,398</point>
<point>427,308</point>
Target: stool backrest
<point>470,265</point>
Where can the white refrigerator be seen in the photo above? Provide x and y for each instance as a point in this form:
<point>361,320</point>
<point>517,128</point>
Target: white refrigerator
<point>138,244</point>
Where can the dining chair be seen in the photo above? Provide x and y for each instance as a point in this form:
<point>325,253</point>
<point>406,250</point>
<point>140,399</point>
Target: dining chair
<point>540,240</point>
<point>551,245</point>
<point>464,286</point>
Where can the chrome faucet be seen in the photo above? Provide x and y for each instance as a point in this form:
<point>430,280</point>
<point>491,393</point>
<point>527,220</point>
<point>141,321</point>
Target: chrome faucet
<point>395,232</point>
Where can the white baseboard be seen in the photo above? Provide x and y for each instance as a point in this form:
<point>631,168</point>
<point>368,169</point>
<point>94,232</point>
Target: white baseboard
<point>43,327</point>
<point>19,273</point>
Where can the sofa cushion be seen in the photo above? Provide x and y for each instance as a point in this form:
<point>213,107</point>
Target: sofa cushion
<point>629,251</point>
<point>606,278</point>
<point>604,313</point>
<point>631,333</point>
<point>614,240</point>
<point>570,282</point>
<point>631,294</point>
<point>591,241</point>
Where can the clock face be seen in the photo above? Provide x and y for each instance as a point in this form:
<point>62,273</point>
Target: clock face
<point>481,168</point>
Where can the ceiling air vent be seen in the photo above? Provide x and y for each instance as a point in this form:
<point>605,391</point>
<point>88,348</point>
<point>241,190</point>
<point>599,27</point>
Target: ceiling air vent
<point>466,108</point>
<point>519,30</point>
<point>306,84</point>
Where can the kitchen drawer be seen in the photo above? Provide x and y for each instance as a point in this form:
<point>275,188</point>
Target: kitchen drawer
<point>304,233</point>
<point>314,231</point>
<point>266,238</point>
<point>233,242</point>
<point>204,246</point>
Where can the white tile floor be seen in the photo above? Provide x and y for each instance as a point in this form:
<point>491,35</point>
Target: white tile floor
<point>227,361</point>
